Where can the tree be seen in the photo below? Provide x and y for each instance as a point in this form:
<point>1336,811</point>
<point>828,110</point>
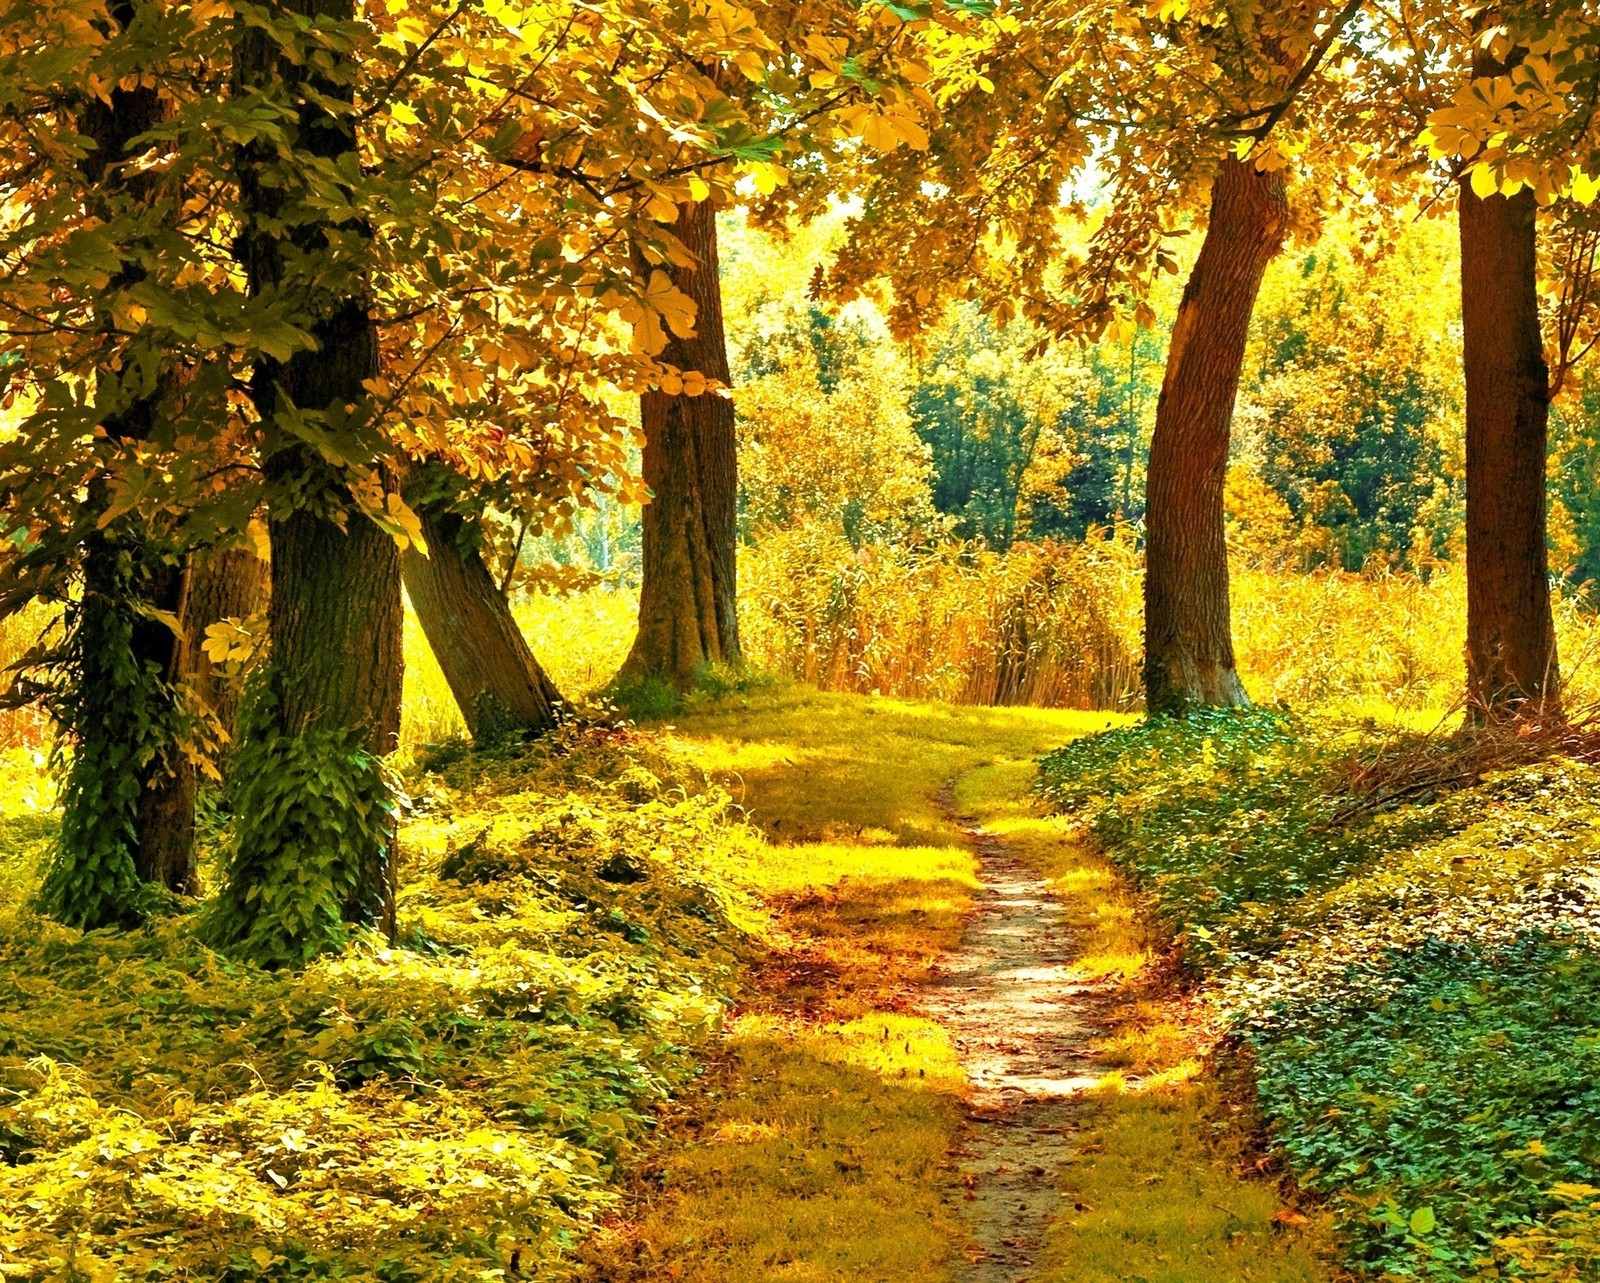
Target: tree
<point>1187,634</point>
<point>127,800</point>
<point>1511,642</point>
<point>688,603</point>
<point>1231,97</point>
<point>498,684</point>
<point>219,584</point>
<point>1350,409</point>
<point>1520,118</point>
<point>328,707</point>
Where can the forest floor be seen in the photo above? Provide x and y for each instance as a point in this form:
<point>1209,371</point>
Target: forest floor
<point>965,1057</point>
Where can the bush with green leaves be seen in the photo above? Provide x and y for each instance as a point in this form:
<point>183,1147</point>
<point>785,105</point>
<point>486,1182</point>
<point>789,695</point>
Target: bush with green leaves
<point>1418,985</point>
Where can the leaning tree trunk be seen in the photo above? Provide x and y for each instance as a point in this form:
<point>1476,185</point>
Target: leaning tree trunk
<point>314,790</point>
<point>1512,669</point>
<point>496,680</point>
<point>1188,637</point>
<point>688,607</point>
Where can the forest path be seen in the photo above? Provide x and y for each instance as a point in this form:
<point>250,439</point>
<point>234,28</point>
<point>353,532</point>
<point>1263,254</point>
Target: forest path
<point>1023,1020</point>
<point>903,1093</point>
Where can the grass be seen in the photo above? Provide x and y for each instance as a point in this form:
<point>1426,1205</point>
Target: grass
<point>571,925</point>
<point>853,880</point>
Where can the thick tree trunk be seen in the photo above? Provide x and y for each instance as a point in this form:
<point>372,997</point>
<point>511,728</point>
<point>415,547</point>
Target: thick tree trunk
<point>123,723</point>
<point>335,622</point>
<point>1512,668</point>
<point>496,680</point>
<point>1188,636</point>
<point>335,616</point>
<point>220,583</point>
<point>688,605</point>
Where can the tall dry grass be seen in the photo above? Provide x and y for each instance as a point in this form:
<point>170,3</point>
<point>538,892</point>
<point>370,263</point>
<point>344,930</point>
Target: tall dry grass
<point>580,638</point>
<point>1045,624</point>
<point>1350,643</point>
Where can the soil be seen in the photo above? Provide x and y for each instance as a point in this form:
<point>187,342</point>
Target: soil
<point>1024,1023</point>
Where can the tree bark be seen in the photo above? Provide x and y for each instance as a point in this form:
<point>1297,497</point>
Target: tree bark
<point>1512,668</point>
<point>688,604</point>
<point>214,584</point>
<point>162,829</point>
<point>496,680</point>
<point>220,583</point>
<point>335,616</point>
<point>1188,634</point>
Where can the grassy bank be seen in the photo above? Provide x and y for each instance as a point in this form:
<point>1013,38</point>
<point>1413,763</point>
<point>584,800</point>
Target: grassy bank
<point>1416,984</point>
<point>573,918</point>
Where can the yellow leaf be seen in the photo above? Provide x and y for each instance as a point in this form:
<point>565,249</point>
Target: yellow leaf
<point>1584,188</point>
<point>674,307</point>
<point>1484,183</point>
<point>699,189</point>
<point>406,522</point>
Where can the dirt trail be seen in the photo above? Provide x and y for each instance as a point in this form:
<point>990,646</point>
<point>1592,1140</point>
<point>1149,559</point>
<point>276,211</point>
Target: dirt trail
<point>1023,1023</point>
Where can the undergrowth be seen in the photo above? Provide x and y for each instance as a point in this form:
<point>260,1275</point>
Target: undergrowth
<point>450,1108</point>
<point>1419,986</point>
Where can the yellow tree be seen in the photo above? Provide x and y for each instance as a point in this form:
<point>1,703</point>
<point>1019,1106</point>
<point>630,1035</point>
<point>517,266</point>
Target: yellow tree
<point>1155,120</point>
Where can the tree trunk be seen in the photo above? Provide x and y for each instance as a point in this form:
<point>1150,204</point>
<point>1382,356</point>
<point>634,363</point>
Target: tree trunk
<point>164,821</point>
<point>221,583</point>
<point>1188,636</point>
<point>335,616</point>
<point>335,621</point>
<point>214,584</point>
<point>126,810</point>
<point>688,606</point>
<point>497,682</point>
<point>1512,667</point>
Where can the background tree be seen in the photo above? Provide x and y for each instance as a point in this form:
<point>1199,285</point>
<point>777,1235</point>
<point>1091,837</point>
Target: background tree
<point>1351,406</point>
<point>1521,134</point>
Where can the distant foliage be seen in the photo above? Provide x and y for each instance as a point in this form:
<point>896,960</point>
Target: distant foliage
<point>1351,410</point>
<point>1575,485</point>
<point>1031,439</point>
<point>825,440</point>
